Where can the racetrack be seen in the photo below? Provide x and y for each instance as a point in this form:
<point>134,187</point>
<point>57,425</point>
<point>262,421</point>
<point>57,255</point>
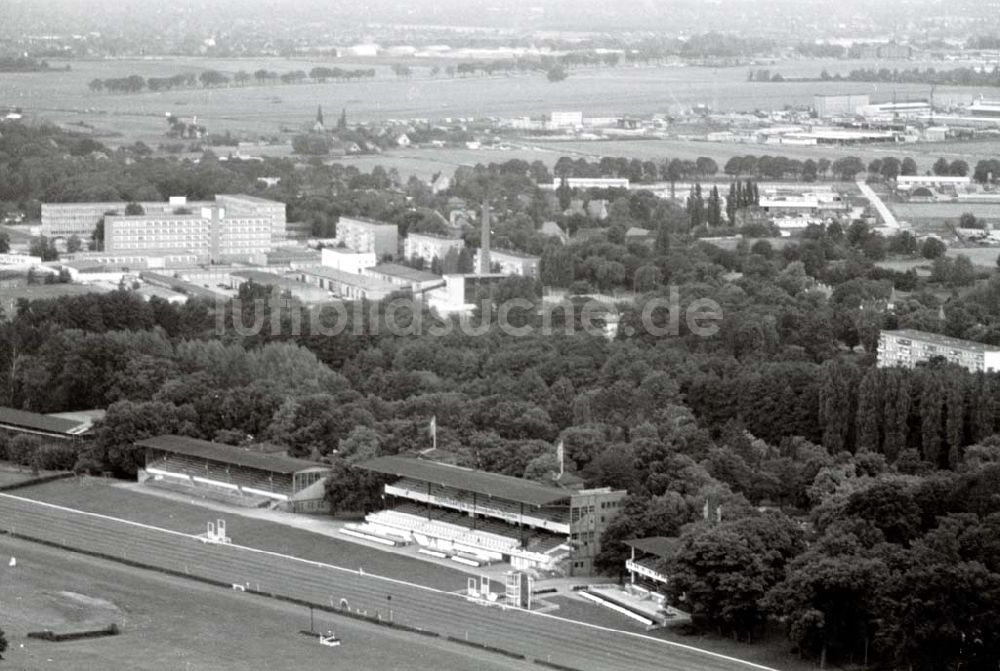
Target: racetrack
<point>534,635</point>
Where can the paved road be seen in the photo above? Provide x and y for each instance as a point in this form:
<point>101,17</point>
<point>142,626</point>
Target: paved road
<point>536,635</point>
<point>888,218</point>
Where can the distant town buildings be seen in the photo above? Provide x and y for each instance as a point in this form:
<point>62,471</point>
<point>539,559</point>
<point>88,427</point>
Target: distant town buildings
<point>827,107</point>
<point>908,347</point>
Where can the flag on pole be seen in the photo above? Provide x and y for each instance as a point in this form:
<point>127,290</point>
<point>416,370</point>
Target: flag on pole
<point>434,430</point>
<point>561,456</point>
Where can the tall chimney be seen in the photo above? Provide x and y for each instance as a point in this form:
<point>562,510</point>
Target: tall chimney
<point>484,246</point>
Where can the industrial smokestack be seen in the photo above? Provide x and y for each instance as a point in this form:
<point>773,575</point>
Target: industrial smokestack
<point>484,245</point>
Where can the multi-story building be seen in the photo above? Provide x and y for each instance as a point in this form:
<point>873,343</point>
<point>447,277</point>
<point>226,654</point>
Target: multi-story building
<point>511,263</point>
<point>252,206</point>
<point>62,220</point>
<point>565,120</point>
<point>908,347</point>
<point>430,247</point>
<point>368,235</point>
<point>211,233</point>
<point>843,105</point>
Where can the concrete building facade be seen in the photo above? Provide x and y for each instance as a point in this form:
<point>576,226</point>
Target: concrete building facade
<point>430,247</point>
<point>511,263</point>
<point>908,347</point>
<point>368,235</point>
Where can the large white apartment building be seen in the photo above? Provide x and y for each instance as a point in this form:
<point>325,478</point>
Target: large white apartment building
<point>62,220</point>
<point>211,233</point>
<point>907,347</point>
<point>430,247</point>
<point>368,235</point>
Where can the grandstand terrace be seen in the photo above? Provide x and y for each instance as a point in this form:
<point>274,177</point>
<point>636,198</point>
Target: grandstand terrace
<point>242,476</point>
<point>64,427</point>
<point>479,518</point>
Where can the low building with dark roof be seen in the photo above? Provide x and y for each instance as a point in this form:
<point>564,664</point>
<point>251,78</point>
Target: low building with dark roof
<point>405,277</point>
<point>65,427</point>
<point>251,477</point>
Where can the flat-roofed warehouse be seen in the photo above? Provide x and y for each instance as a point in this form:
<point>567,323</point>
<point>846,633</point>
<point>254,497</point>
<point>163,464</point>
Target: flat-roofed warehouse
<point>477,518</point>
<point>251,478</point>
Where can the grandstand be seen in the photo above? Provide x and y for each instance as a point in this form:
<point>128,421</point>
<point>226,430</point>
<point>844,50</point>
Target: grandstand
<point>66,426</point>
<point>479,518</point>
<point>236,475</point>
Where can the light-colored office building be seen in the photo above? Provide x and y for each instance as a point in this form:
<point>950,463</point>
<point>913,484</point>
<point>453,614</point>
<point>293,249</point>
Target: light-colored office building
<point>211,233</point>
<point>908,347</point>
<point>511,263</point>
<point>430,247</point>
<point>368,235</point>
<point>238,205</point>
<point>61,220</point>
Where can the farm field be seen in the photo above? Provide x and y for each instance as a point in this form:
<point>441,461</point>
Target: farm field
<point>170,623</point>
<point>941,211</point>
<point>64,96</point>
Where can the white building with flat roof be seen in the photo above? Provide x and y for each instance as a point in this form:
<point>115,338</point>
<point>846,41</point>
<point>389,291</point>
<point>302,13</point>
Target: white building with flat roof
<point>347,260</point>
<point>565,119</point>
<point>907,182</point>
<point>211,233</point>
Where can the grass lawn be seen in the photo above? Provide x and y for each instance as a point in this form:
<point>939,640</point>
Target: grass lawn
<point>772,651</point>
<point>100,496</point>
<point>170,623</point>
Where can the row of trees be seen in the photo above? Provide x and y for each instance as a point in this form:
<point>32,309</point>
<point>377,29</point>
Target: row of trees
<point>215,78</point>
<point>954,77</point>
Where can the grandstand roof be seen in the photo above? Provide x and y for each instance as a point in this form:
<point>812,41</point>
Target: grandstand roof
<point>480,482</point>
<point>32,421</point>
<point>227,454</point>
<point>661,546</point>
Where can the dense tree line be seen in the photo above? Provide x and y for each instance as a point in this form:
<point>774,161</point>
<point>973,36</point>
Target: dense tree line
<point>954,77</point>
<point>214,78</point>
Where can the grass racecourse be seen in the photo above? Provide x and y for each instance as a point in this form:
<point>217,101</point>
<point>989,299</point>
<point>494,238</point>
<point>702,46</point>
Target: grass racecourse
<point>170,623</point>
<point>572,644</point>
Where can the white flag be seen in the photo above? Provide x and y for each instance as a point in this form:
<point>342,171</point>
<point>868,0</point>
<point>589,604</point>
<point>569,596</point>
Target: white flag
<point>434,430</point>
<point>561,456</point>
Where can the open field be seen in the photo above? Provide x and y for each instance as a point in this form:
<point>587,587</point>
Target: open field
<point>63,96</point>
<point>170,623</point>
<point>566,642</point>
<point>424,163</point>
<point>939,212</point>
<point>985,257</point>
